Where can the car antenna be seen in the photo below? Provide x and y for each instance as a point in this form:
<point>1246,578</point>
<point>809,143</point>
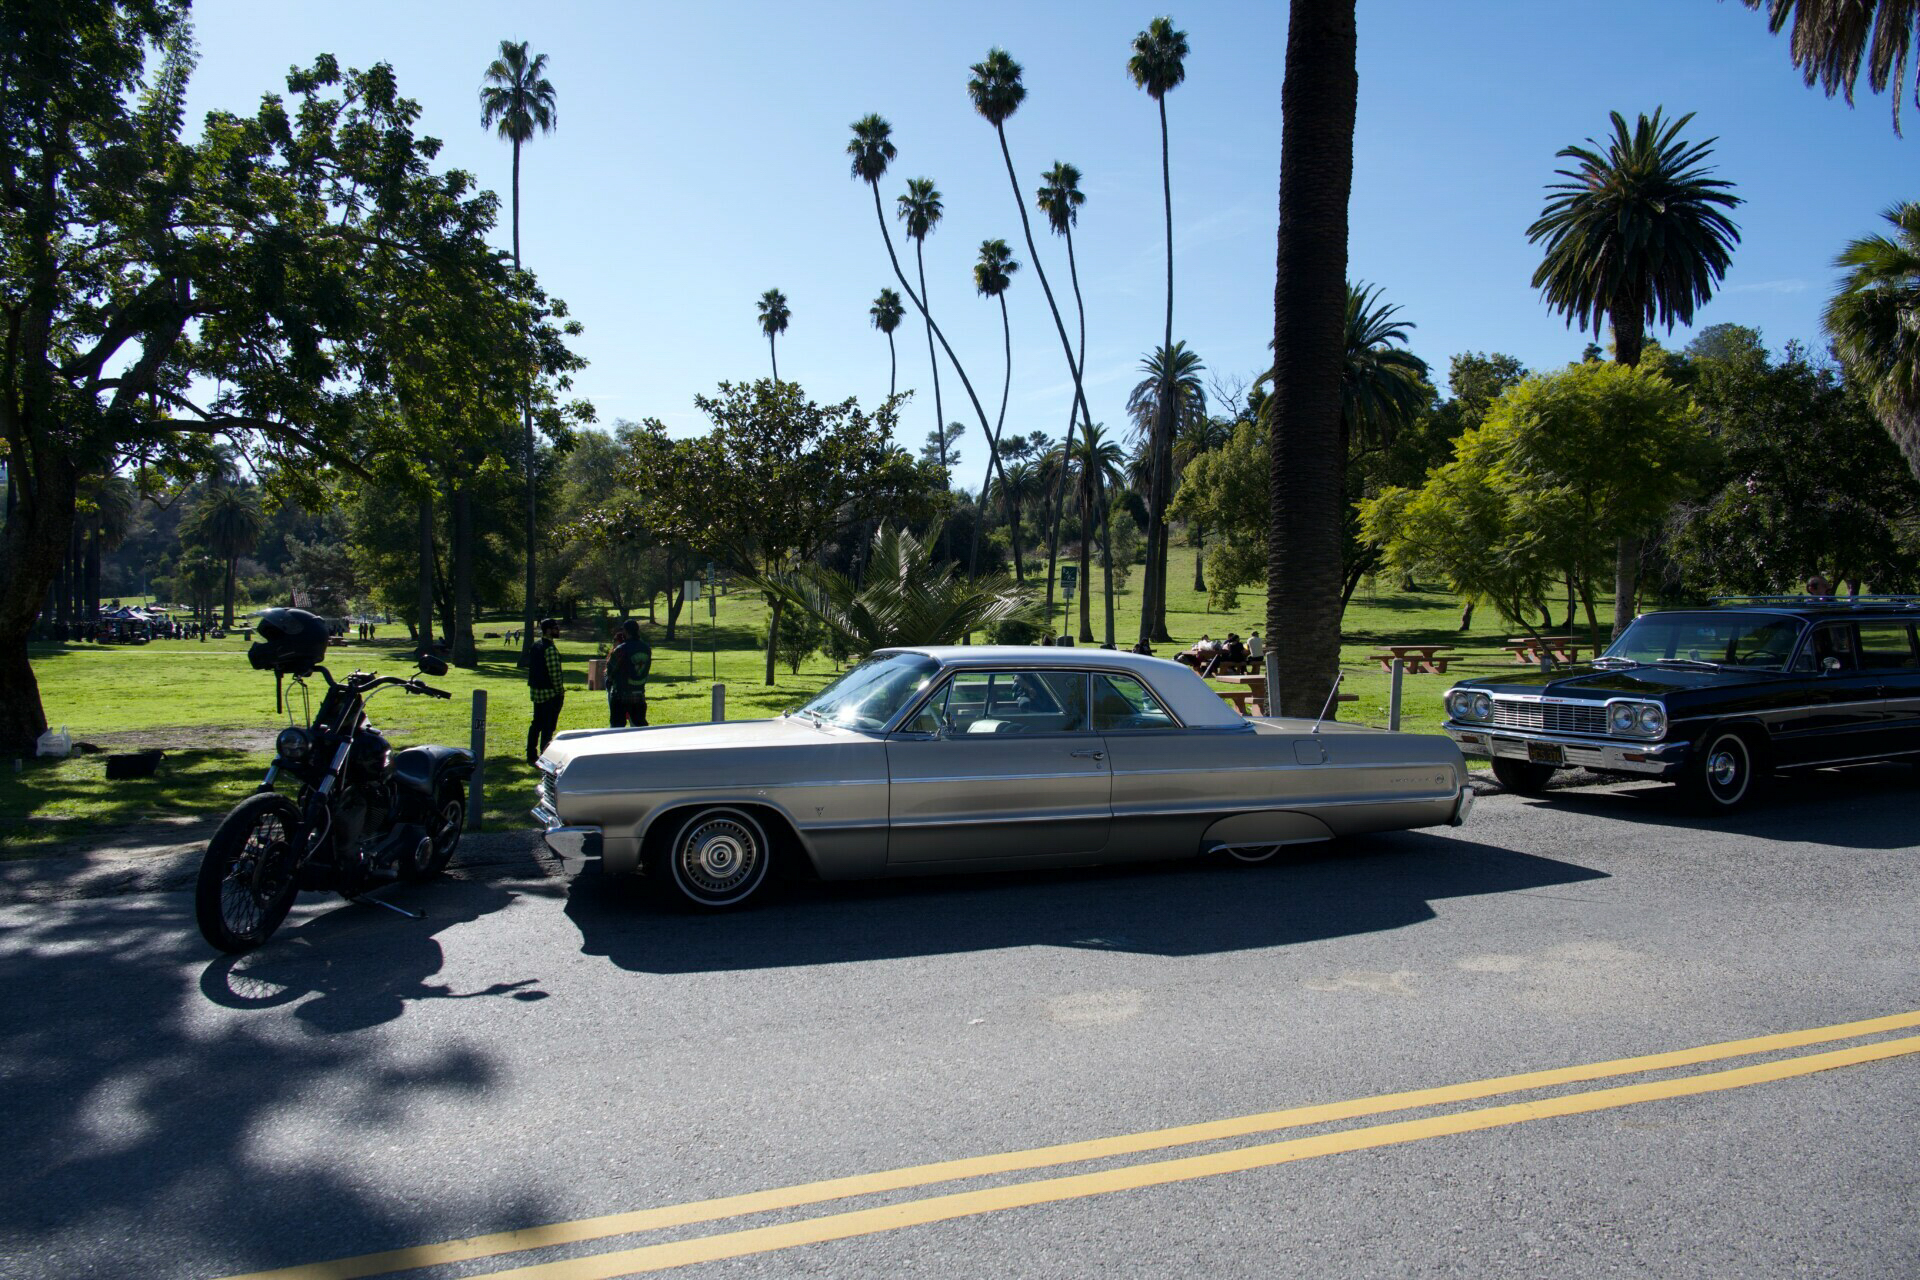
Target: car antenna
<point>1328,704</point>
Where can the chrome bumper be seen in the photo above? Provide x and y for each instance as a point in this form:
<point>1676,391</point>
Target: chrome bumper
<point>574,846</point>
<point>1462,806</point>
<point>1654,759</point>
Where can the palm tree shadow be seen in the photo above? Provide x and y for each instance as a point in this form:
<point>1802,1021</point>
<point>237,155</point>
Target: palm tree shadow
<point>1171,909</point>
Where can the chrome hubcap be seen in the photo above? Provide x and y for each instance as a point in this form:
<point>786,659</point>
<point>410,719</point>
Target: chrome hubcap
<point>1723,767</point>
<point>719,856</point>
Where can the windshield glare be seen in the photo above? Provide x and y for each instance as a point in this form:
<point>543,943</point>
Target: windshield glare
<point>871,694</point>
<point>1726,639</point>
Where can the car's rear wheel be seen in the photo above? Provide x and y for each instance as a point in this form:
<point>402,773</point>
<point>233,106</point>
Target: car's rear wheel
<point>1522,776</point>
<point>718,859</point>
<point>1719,779</point>
<point>1253,855</point>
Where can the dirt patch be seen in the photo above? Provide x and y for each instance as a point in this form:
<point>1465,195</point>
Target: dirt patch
<point>183,738</point>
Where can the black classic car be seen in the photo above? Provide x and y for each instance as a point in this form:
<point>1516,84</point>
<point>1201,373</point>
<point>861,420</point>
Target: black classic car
<point>1712,698</point>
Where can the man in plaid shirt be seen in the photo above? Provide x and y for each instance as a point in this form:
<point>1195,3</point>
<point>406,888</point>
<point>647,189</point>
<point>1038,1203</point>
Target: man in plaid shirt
<point>545,687</point>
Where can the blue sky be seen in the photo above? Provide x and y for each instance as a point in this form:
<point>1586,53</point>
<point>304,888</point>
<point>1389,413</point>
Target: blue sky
<point>699,160</point>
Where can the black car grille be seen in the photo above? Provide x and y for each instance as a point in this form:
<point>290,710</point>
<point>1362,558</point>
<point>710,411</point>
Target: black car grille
<point>1550,717</point>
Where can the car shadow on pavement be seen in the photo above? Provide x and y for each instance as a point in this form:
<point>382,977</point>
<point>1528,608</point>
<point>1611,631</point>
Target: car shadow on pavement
<point>139,1112</point>
<point>1171,908</point>
<point>1868,807</point>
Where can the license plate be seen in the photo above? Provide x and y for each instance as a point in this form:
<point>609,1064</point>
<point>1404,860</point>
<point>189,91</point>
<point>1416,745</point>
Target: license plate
<point>1546,753</point>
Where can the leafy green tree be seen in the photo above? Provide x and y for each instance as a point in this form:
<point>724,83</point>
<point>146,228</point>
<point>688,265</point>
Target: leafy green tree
<point>1831,38</point>
<point>1158,65</point>
<point>1809,483</point>
<point>942,448</point>
<point>1317,103</point>
<point>517,101</point>
<point>906,597</point>
<point>992,277</point>
<point>1872,322</point>
<point>1060,198</point>
<point>1635,234</point>
<point>774,315</point>
<point>887,311</point>
<point>997,91</point>
<point>920,211</point>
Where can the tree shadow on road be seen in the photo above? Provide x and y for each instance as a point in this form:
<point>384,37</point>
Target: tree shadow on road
<point>1175,909</point>
<point>138,1112</point>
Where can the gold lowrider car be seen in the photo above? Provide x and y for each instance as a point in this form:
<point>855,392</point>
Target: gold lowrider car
<point>939,760</point>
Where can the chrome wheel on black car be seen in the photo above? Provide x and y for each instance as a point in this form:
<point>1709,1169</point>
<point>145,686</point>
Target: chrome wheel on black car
<point>1720,777</point>
<point>1522,776</point>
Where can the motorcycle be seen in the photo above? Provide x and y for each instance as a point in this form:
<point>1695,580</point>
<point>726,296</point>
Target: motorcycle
<point>361,817</point>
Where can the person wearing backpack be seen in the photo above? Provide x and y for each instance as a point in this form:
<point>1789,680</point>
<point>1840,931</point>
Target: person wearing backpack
<point>627,669</point>
<point>544,686</point>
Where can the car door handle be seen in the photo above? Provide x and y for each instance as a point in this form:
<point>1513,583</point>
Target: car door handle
<point>1090,755</point>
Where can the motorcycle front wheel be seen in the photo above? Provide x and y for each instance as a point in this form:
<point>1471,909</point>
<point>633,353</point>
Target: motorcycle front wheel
<point>247,881</point>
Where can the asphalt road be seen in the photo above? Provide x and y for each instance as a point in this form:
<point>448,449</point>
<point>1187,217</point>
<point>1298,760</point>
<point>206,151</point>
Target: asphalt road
<point>537,1053</point>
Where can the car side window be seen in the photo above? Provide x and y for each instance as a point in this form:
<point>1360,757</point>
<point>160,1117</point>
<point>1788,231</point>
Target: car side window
<point>1886,644</point>
<point>1829,640</point>
<point>997,702</point>
<point>1121,703</point>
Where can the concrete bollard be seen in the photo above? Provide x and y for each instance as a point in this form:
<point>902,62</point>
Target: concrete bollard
<point>719,703</point>
<point>477,784</point>
<point>1393,699</point>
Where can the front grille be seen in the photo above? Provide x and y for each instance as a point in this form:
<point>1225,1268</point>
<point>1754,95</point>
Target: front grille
<point>544,791</point>
<point>1550,717</point>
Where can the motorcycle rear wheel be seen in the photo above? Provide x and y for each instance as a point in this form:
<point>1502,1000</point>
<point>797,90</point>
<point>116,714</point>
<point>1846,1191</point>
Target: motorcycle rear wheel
<point>247,883</point>
<point>444,828</point>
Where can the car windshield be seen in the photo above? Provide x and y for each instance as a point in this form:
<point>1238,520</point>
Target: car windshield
<point>1716,639</point>
<point>871,694</point>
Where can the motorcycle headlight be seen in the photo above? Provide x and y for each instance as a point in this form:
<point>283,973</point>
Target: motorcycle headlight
<point>1625,717</point>
<point>293,744</point>
<point>1653,721</point>
<point>1482,706</point>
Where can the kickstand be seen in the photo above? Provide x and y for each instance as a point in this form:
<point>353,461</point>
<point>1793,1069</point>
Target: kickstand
<point>381,902</point>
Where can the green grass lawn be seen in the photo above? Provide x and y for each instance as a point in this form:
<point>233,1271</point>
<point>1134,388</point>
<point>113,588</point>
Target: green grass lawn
<point>214,714</point>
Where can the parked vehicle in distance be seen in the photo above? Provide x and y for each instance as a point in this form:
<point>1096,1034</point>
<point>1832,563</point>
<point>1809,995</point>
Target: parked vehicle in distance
<point>1713,699</point>
<point>937,760</point>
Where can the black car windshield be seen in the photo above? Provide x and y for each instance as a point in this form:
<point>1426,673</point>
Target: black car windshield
<point>1757,640</point>
<point>872,693</point>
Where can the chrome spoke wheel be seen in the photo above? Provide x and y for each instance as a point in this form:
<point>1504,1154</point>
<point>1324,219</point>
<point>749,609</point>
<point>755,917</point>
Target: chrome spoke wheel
<point>257,878</point>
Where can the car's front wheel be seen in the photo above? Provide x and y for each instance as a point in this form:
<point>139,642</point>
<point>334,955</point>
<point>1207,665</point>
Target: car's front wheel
<point>718,859</point>
<point>1720,778</point>
<point>1522,776</point>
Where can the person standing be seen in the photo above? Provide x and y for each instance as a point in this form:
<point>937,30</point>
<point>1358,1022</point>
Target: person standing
<point>627,669</point>
<point>545,688</point>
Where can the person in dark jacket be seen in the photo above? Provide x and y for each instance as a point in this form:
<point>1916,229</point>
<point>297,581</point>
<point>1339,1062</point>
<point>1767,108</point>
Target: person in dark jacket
<point>627,669</point>
<point>545,688</point>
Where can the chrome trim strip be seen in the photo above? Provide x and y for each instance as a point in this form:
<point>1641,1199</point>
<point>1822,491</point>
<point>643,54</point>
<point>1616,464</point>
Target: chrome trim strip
<point>1454,727</point>
<point>999,777</point>
<point>1821,764</point>
<point>1004,820</point>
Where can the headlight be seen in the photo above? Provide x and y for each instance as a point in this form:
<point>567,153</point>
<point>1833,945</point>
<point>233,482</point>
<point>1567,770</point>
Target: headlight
<point>293,744</point>
<point>1653,721</point>
<point>1625,717</point>
<point>1482,706</point>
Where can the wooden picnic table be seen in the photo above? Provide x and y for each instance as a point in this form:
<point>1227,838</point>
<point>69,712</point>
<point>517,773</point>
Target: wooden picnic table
<point>1252,700</point>
<point>1416,659</point>
<point>1530,649</point>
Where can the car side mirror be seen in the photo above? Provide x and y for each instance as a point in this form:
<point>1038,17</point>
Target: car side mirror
<point>1829,663</point>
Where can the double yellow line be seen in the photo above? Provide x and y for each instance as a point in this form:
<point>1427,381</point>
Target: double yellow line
<point>941,1208</point>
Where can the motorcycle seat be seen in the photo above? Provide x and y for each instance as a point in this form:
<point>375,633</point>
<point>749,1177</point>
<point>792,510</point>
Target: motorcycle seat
<point>420,767</point>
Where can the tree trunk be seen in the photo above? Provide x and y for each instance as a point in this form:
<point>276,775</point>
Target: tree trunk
<point>939,410</point>
<point>1106,558</point>
<point>1162,496</point>
<point>1019,566</point>
<point>39,518</point>
<point>1199,555</point>
<point>1317,104</point>
<point>1466,616</point>
<point>773,631</point>
<point>774,356</point>
<point>464,654</point>
<point>425,586</point>
<point>1086,570</point>
<point>529,606</point>
<point>233,562</point>
<point>1628,316</point>
<point>893,367</point>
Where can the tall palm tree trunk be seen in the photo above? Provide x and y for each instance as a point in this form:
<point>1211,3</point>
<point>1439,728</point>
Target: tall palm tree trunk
<point>1629,340</point>
<point>425,550</point>
<point>893,369</point>
<point>463,646</point>
<point>993,441</point>
<point>1013,525</point>
<point>531,603</point>
<point>1317,104</point>
<point>1073,365</point>
<point>233,561</point>
<point>1106,557</point>
<point>1086,562</point>
<point>1153,607</point>
<point>939,410</point>
<point>774,356</point>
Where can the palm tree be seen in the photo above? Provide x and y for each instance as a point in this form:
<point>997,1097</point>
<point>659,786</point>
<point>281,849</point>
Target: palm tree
<point>1158,65</point>
<point>997,92</point>
<point>887,312</point>
<point>921,210</point>
<point>1060,198</point>
<point>773,322</point>
<point>1307,490</point>
<point>992,276</point>
<point>1636,233</point>
<point>517,101</point>
<point>1831,38</point>
<point>1871,320</point>
<point>226,521</point>
<point>1098,466</point>
<point>1021,487</point>
<point>870,151</point>
<point>1171,391</point>
<point>1383,386</point>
